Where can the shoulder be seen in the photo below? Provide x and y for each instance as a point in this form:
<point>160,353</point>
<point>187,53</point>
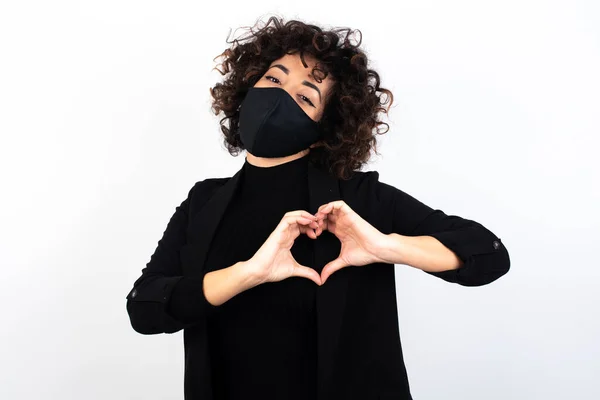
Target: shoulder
<point>367,190</point>
<point>209,184</point>
<point>203,189</point>
<point>359,180</point>
<point>367,195</point>
<point>367,184</point>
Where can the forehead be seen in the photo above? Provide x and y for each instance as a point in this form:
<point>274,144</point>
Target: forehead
<point>295,65</point>
<point>294,60</point>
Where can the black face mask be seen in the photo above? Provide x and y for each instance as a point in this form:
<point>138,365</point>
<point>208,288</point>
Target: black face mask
<point>272,124</point>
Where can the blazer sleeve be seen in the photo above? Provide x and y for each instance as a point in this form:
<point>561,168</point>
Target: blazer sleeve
<point>484,255</point>
<point>149,304</point>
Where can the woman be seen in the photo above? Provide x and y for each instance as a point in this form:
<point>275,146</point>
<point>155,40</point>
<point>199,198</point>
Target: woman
<point>282,276</point>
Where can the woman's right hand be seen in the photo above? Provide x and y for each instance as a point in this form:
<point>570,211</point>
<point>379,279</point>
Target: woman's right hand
<point>273,261</point>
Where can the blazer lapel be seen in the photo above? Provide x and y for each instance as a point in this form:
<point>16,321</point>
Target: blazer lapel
<point>205,223</point>
<point>331,297</point>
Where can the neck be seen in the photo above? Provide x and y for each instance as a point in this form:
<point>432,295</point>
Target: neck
<point>271,162</point>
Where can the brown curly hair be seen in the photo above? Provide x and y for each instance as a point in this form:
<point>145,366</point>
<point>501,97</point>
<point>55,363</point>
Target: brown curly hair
<point>350,118</point>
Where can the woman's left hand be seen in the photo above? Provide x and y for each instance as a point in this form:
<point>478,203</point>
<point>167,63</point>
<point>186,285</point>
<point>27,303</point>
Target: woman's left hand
<point>359,239</point>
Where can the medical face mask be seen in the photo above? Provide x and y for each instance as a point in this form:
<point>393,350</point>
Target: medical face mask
<point>272,124</point>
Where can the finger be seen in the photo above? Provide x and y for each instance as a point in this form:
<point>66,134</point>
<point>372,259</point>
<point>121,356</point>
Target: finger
<point>333,208</point>
<point>318,231</point>
<point>332,267</point>
<point>308,231</point>
<point>338,207</point>
<point>306,272</point>
<point>300,220</point>
<point>336,203</point>
<point>325,208</point>
<point>322,207</point>
<point>307,226</point>
<point>320,215</point>
<point>288,225</point>
<point>300,213</point>
<point>322,225</point>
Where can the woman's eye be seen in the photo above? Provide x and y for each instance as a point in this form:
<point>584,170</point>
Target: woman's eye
<point>272,77</point>
<point>275,80</point>
<point>307,100</point>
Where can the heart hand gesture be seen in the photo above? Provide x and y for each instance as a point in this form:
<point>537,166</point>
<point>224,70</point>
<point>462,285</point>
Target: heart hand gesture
<point>273,261</point>
<point>359,239</point>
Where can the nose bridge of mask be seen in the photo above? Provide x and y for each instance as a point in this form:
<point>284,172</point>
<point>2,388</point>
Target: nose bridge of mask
<point>272,106</point>
<point>280,108</point>
<point>284,96</point>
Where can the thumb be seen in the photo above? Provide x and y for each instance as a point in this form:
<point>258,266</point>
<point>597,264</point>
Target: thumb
<point>307,272</point>
<point>331,267</point>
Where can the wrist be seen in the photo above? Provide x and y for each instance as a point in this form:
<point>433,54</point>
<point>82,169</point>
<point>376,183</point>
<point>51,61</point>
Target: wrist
<point>249,274</point>
<point>389,248</point>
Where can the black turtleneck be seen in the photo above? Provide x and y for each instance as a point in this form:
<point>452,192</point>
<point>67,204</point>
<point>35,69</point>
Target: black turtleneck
<point>262,341</point>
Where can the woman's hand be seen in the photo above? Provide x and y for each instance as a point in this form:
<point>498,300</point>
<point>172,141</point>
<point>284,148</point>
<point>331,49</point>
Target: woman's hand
<point>359,239</point>
<point>273,261</point>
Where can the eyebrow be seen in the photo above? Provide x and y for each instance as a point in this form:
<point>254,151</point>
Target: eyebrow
<point>287,72</point>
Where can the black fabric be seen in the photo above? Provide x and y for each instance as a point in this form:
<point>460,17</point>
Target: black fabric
<point>263,341</point>
<point>272,123</point>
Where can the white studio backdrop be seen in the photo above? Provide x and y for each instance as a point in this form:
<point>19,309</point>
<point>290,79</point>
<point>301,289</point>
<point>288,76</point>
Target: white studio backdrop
<point>105,126</point>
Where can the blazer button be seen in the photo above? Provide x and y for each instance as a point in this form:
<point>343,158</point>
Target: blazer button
<point>134,293</point>
<point>496,244</point>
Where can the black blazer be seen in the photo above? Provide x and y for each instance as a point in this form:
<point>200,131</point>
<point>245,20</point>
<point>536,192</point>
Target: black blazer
<point>359,350</point>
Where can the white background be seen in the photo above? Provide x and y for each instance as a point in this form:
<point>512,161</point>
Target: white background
<point>105,126</point>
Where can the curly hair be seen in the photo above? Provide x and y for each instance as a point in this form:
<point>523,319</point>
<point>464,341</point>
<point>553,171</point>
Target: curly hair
<point>350,118</point>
